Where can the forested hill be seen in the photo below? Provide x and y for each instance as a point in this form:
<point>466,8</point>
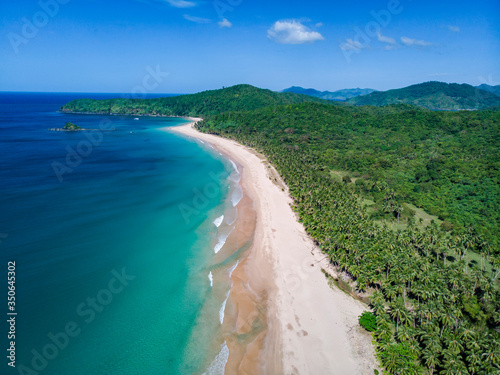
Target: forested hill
<point>433,95</point>
<point>359,178</point>
<point>235,98</point>
<point>432,286</point>
<point>493,89</point>
<point>448,163</point>
<point>330,95</point>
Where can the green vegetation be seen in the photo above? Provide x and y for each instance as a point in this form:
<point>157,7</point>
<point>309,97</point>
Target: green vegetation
<point>493,89</point>
<point>362,180</point>
<point>436,311</point>
<point>204,103</point>
<point>71,126</point>
<point>368,321</point>
<point>433,95</point>
<point>329,95</point>
<point>445,163</point>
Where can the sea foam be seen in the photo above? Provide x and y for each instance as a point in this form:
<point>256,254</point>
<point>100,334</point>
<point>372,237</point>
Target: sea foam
<point>219,363</point>
<point>218,221</point>
<point>235,176</point>
<point>231,215</point>
<point>234,166</point>
<point>237,195</point>
<point>223,308</point>
<point>222,241</point>
<point>211,278</point>
<point>233,268</point>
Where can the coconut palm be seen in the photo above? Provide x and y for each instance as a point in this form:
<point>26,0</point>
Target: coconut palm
<point>431,360</point>
<point>420,290</point>
<point>398,311</point>
<point>377,303</point>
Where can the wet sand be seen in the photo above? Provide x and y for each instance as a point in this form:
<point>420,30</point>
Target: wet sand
<point>282,317</point>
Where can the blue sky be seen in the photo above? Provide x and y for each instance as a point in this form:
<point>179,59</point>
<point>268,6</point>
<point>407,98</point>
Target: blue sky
<point>184,46</point>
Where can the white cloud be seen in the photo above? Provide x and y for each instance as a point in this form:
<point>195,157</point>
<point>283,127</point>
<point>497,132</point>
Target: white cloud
<point>225,23</point>
<point>292,32</point>
<point>351,45</point>
<point>196,19</point>
<point>386,39</point>
<point>414,42</point>
<point>319,24</point>
<point>455,29</point>
<point>181,3</point>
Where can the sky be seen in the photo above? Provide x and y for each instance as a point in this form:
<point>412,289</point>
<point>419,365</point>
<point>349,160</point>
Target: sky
<point>186,46</point>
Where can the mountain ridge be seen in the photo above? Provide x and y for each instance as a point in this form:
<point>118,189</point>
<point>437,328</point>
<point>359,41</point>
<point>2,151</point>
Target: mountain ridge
<point>339,95</point>
<point>493,89</point>
<point>432,95</point>
<point>210,102</point>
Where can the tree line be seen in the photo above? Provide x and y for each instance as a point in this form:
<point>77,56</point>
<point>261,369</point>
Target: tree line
<point>434,289</point>
<point>436,310</point>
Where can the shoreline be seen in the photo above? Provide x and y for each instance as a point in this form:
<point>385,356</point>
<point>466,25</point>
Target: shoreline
<point>284,316</point>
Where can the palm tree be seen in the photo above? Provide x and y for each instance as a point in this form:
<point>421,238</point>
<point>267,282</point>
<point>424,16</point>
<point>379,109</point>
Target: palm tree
<point>384,328</point>
<point>459,247</point>
<point>454,344</point>
<point>455,279</point>
<point>467,334</point>
<point>405,334</point>
<point>399,209</point>
<point>391,292</point>
<point>453,365</point>
<point>431,340</point>
<point>492,353</point>
<point>446,320</point>
<point>398,311</point>
<point>474,361</point>
<point>496,264</point>
<point>431,360</point>
<point>377,303</point>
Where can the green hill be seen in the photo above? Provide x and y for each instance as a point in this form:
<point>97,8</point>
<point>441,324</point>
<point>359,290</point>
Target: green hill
<point>433,287</point>
<point>330,95</point>
<point>493,89</point>
<point>444,162</point>
<point>235,98</point>
<point>355,175</point>
<point>433,95</point>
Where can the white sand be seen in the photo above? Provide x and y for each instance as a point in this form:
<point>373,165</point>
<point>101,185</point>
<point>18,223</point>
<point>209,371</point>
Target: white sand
<point>312,328</point>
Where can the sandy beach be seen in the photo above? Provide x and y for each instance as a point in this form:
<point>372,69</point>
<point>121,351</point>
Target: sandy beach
<point>282,316</point>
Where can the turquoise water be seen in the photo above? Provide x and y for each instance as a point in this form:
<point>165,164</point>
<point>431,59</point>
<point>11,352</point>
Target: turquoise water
<point>113,256</point>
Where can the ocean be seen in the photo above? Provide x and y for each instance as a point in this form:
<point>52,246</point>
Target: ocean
<point>113,232</point>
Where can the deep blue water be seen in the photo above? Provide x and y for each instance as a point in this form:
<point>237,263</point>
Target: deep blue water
<point>94,222</point>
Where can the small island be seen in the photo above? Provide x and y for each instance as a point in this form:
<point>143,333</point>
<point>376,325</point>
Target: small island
<point>68,127</point>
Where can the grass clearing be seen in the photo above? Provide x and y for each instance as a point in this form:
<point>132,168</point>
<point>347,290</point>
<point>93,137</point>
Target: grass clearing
<point>421,214</point>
